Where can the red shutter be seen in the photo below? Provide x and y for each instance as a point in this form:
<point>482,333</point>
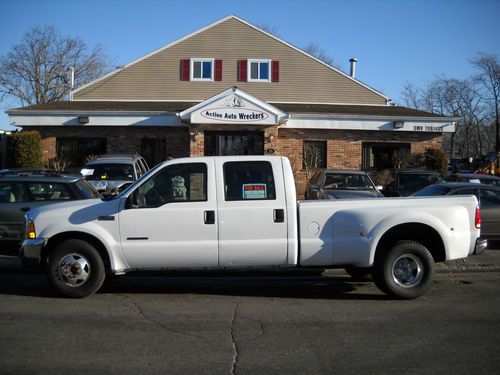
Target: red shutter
<point>275,71</point>
<point>185,63</point>
<point>242,70</point>
<point>218,70</point>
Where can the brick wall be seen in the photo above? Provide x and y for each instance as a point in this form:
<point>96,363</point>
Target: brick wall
<point>344,147</point>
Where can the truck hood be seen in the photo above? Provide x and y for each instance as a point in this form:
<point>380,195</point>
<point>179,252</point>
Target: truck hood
<point>75,211</point>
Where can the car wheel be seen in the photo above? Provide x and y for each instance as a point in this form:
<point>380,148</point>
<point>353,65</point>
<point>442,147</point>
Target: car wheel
<point>75,269</point>
<point>406,271</point>
<point>359,273</point>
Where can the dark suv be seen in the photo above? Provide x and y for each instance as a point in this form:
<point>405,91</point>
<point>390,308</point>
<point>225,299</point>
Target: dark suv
<point>20,191</point>
<point>404,182</point>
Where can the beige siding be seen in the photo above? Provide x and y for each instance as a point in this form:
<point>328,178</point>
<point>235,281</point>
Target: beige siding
<point>302,79</point>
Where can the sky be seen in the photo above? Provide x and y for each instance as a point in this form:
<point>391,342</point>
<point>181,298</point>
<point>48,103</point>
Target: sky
<point>395,41</point>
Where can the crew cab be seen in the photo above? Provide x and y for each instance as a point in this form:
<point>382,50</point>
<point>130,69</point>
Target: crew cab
<point>240,212</point>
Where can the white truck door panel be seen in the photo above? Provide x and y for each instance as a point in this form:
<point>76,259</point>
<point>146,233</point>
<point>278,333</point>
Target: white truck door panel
<point>251,213</point>
<point>175,222</point>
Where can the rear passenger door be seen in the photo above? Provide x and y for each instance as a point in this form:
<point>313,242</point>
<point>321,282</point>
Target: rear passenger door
<point>252,215</point>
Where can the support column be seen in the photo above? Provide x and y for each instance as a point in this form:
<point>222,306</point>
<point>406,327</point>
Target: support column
<point>196,142</point>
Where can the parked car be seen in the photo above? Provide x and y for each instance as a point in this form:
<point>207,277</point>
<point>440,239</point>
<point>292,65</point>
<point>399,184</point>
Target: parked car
<point>113,173</point>
<point>474,177</point>
<point>487,195</point>
<point>338,184</point>
<point>21,191</point>
<point>404,182</point>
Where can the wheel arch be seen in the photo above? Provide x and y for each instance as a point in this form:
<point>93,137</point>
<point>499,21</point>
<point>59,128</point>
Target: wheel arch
<point>414,231</point>
<point>94,241</point>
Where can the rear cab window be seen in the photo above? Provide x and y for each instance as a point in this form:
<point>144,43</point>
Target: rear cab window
<point>248,181</point>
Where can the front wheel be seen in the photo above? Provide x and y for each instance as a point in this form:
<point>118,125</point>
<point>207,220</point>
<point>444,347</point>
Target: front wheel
<point>406,271</point>
<point>75,269</point>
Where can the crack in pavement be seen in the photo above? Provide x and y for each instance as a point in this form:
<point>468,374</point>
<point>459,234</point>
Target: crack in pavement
<point>233,341</point>
<point>142,313</point>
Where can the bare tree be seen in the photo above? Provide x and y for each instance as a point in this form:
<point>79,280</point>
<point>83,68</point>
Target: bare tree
<point>38,69</point>
<point>488,79</point>
<point>455,98</point>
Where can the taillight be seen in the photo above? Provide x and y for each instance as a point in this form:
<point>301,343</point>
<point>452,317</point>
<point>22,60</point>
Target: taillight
<point>478,218</point>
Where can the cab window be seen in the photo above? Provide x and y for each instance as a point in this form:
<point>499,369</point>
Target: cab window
<point>175,183</point>
<point>248,181</point>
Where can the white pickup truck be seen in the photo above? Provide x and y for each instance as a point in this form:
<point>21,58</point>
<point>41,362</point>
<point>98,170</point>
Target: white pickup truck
<point>241,212</point>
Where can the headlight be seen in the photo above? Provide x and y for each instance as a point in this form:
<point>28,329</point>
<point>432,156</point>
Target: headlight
<point>30,230</point>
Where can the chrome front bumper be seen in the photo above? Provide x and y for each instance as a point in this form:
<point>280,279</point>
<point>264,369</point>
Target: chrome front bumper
<point>31,250</point>
<point>481,244</point>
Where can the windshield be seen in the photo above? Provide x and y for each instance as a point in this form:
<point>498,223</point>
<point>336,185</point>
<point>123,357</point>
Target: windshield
<point>112,172</point>
<point>344,181</point>
<point>433,191</point>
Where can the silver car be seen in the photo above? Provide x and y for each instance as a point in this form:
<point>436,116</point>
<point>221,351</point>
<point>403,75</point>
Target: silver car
<point>113,173</point>
<point>340,184</point>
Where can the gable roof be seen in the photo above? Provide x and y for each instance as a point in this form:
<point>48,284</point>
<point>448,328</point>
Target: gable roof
<point>229,18</point>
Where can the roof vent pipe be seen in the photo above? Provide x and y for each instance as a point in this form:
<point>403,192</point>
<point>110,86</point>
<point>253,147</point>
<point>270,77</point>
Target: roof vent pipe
<point>353,62</point>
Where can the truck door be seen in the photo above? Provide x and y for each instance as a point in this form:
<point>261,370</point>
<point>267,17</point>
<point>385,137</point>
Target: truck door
<point>251,213</point>
<point>169,220</point>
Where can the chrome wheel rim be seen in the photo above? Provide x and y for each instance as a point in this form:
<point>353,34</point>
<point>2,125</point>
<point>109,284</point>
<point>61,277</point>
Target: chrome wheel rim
<point>408,271</point>
<point>73,270</point>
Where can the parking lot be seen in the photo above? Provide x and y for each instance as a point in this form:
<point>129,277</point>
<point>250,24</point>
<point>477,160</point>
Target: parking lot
<point>247,324</point>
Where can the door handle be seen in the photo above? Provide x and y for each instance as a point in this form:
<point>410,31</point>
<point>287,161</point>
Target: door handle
<point>279,215</point>
<point>209,217</point>
<point>25,209</point>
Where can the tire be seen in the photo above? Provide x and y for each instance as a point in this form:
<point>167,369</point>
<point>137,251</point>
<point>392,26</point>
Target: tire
<point>359,273</point>
<point>406,271</point>
<point>75,269</point>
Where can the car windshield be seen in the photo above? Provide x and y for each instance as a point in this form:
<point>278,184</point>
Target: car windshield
<point>344,181</point>
<point>432,191</point>
<point>113,172</point>
<point>86,189</point>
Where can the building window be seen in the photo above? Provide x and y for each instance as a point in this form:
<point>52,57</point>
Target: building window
<point>154,150</point>
<point>202,69</point>
<point>259,71</point>
<point>314,155</point>
<point>379,156</point>
<point>76,150</point>
<point>234,143</point>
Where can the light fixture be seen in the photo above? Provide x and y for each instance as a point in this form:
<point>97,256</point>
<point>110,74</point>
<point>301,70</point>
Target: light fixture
<point>269,138</point>
<point>83,119</point>
<point>195,134</point>
<point>398,124</point>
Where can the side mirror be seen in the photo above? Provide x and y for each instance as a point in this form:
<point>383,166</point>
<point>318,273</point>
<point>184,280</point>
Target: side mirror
<point>132,201</point>
<point>379,187</point>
